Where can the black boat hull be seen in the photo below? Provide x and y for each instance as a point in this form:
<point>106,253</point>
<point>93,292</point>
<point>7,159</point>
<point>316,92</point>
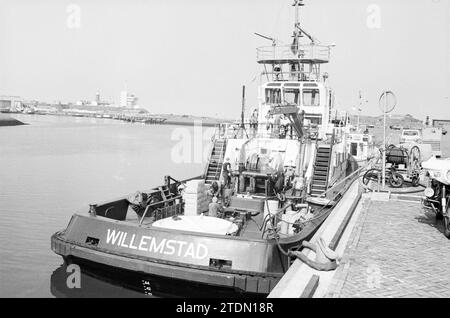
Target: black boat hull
<point>237,280</point>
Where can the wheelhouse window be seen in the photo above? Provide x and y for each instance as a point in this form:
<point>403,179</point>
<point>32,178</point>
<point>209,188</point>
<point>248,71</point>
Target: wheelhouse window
<point>273,96</point>
<point>292,96</point>
<point>314,120</point>
<point>311,97</point>
<point>410,133</point>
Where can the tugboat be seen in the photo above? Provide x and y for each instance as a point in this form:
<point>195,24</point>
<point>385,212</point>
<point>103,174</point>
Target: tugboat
<point>267,186</point>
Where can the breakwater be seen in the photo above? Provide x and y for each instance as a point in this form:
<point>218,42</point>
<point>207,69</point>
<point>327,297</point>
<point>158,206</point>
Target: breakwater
<point>6,120</point>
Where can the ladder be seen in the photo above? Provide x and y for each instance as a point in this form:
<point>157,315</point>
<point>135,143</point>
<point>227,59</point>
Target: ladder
<point>319,182</point>
<point>216,161</point>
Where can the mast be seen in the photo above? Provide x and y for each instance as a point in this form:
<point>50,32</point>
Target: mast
<point>297,33</point>
<point>242,126</point>
<point>296,61</point>
<point>296,67</point>
<point>243,107</point>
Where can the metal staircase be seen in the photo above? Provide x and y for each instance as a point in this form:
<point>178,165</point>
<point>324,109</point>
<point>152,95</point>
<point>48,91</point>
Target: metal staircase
<point>319,182</point>
<point>216,161</point>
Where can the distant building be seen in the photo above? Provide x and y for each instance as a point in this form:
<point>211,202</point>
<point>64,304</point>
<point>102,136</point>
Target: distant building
<point>10,103</point>
<point>128,100</point>
<point>45,108</point>
<point>83,103</point>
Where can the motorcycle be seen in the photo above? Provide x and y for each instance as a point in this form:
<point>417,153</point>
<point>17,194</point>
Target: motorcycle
<point>437,194</point>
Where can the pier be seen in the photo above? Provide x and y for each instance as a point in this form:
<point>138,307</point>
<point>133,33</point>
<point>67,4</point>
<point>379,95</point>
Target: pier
<point>303,281</point>
<point>390,246</point>
<point>396,249</point>
<point>145,119</point>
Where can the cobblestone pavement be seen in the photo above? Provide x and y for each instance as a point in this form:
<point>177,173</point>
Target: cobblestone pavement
<point>395,250</point>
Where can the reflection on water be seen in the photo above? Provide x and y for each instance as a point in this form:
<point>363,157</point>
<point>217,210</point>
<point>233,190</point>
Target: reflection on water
<point>56,165</point>
<point>90,286</point>
<point>108,282</point>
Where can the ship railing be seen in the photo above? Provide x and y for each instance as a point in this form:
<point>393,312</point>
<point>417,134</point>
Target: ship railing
<point>338,135</point>
<point>268,131</point>
<point>303,76</point>
<point>280,54</point>
<point>339,115</point>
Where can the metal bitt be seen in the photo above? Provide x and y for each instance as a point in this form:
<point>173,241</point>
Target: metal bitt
<point>93,209</point>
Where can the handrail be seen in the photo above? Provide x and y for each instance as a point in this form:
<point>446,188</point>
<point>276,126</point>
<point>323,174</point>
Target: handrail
<point>331,153</point>
<point>213,142</point>
<point>262,130</point>
<point>307,52</point>
<point>154,204</point>
<point>345,179</point>
<point>284,76</point>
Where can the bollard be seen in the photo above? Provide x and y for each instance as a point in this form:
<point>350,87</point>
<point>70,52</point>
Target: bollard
<point>93,209</point>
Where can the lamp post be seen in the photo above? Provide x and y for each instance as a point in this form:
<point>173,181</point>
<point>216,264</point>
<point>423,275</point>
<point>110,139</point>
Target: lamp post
<point>384,142</point>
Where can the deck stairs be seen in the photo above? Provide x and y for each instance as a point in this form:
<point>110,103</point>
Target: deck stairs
<point>319,182</point>
<point>215,161</point>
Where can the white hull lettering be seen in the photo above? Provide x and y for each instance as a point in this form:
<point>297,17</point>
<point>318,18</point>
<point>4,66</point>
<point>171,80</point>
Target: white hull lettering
<point>120,239</point>
<point>123,240</point>
<point>180,247</point>
<point>134,247</point>
<point>144,242</point>
<point>112,237</point>
<point>154,245</point>
<point>190,251</point>
<point>170,250</point>
<point>202,251</point>
<point>157,248</point>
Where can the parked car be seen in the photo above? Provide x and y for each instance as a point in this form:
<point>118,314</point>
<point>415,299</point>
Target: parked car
<point>410,135</point>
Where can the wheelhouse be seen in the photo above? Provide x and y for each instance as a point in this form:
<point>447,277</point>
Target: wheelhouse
<point>314,98</point>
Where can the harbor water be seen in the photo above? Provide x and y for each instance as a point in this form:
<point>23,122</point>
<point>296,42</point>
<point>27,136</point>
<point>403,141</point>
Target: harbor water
<point>54,166</point>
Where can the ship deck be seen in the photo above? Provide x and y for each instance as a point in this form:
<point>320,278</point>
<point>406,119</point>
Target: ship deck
<point>251,229</point>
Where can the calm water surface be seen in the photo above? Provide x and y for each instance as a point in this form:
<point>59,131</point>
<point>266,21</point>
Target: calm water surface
<point>56,165</point>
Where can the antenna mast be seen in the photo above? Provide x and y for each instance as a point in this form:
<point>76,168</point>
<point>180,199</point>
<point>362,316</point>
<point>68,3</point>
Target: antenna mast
<point>295,61</point>
<point>242,126</point>
<point>243,107</point>
<point>297,29</point>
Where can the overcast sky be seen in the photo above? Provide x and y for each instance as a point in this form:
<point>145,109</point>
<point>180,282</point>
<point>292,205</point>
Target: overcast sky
<point>193,56</point>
